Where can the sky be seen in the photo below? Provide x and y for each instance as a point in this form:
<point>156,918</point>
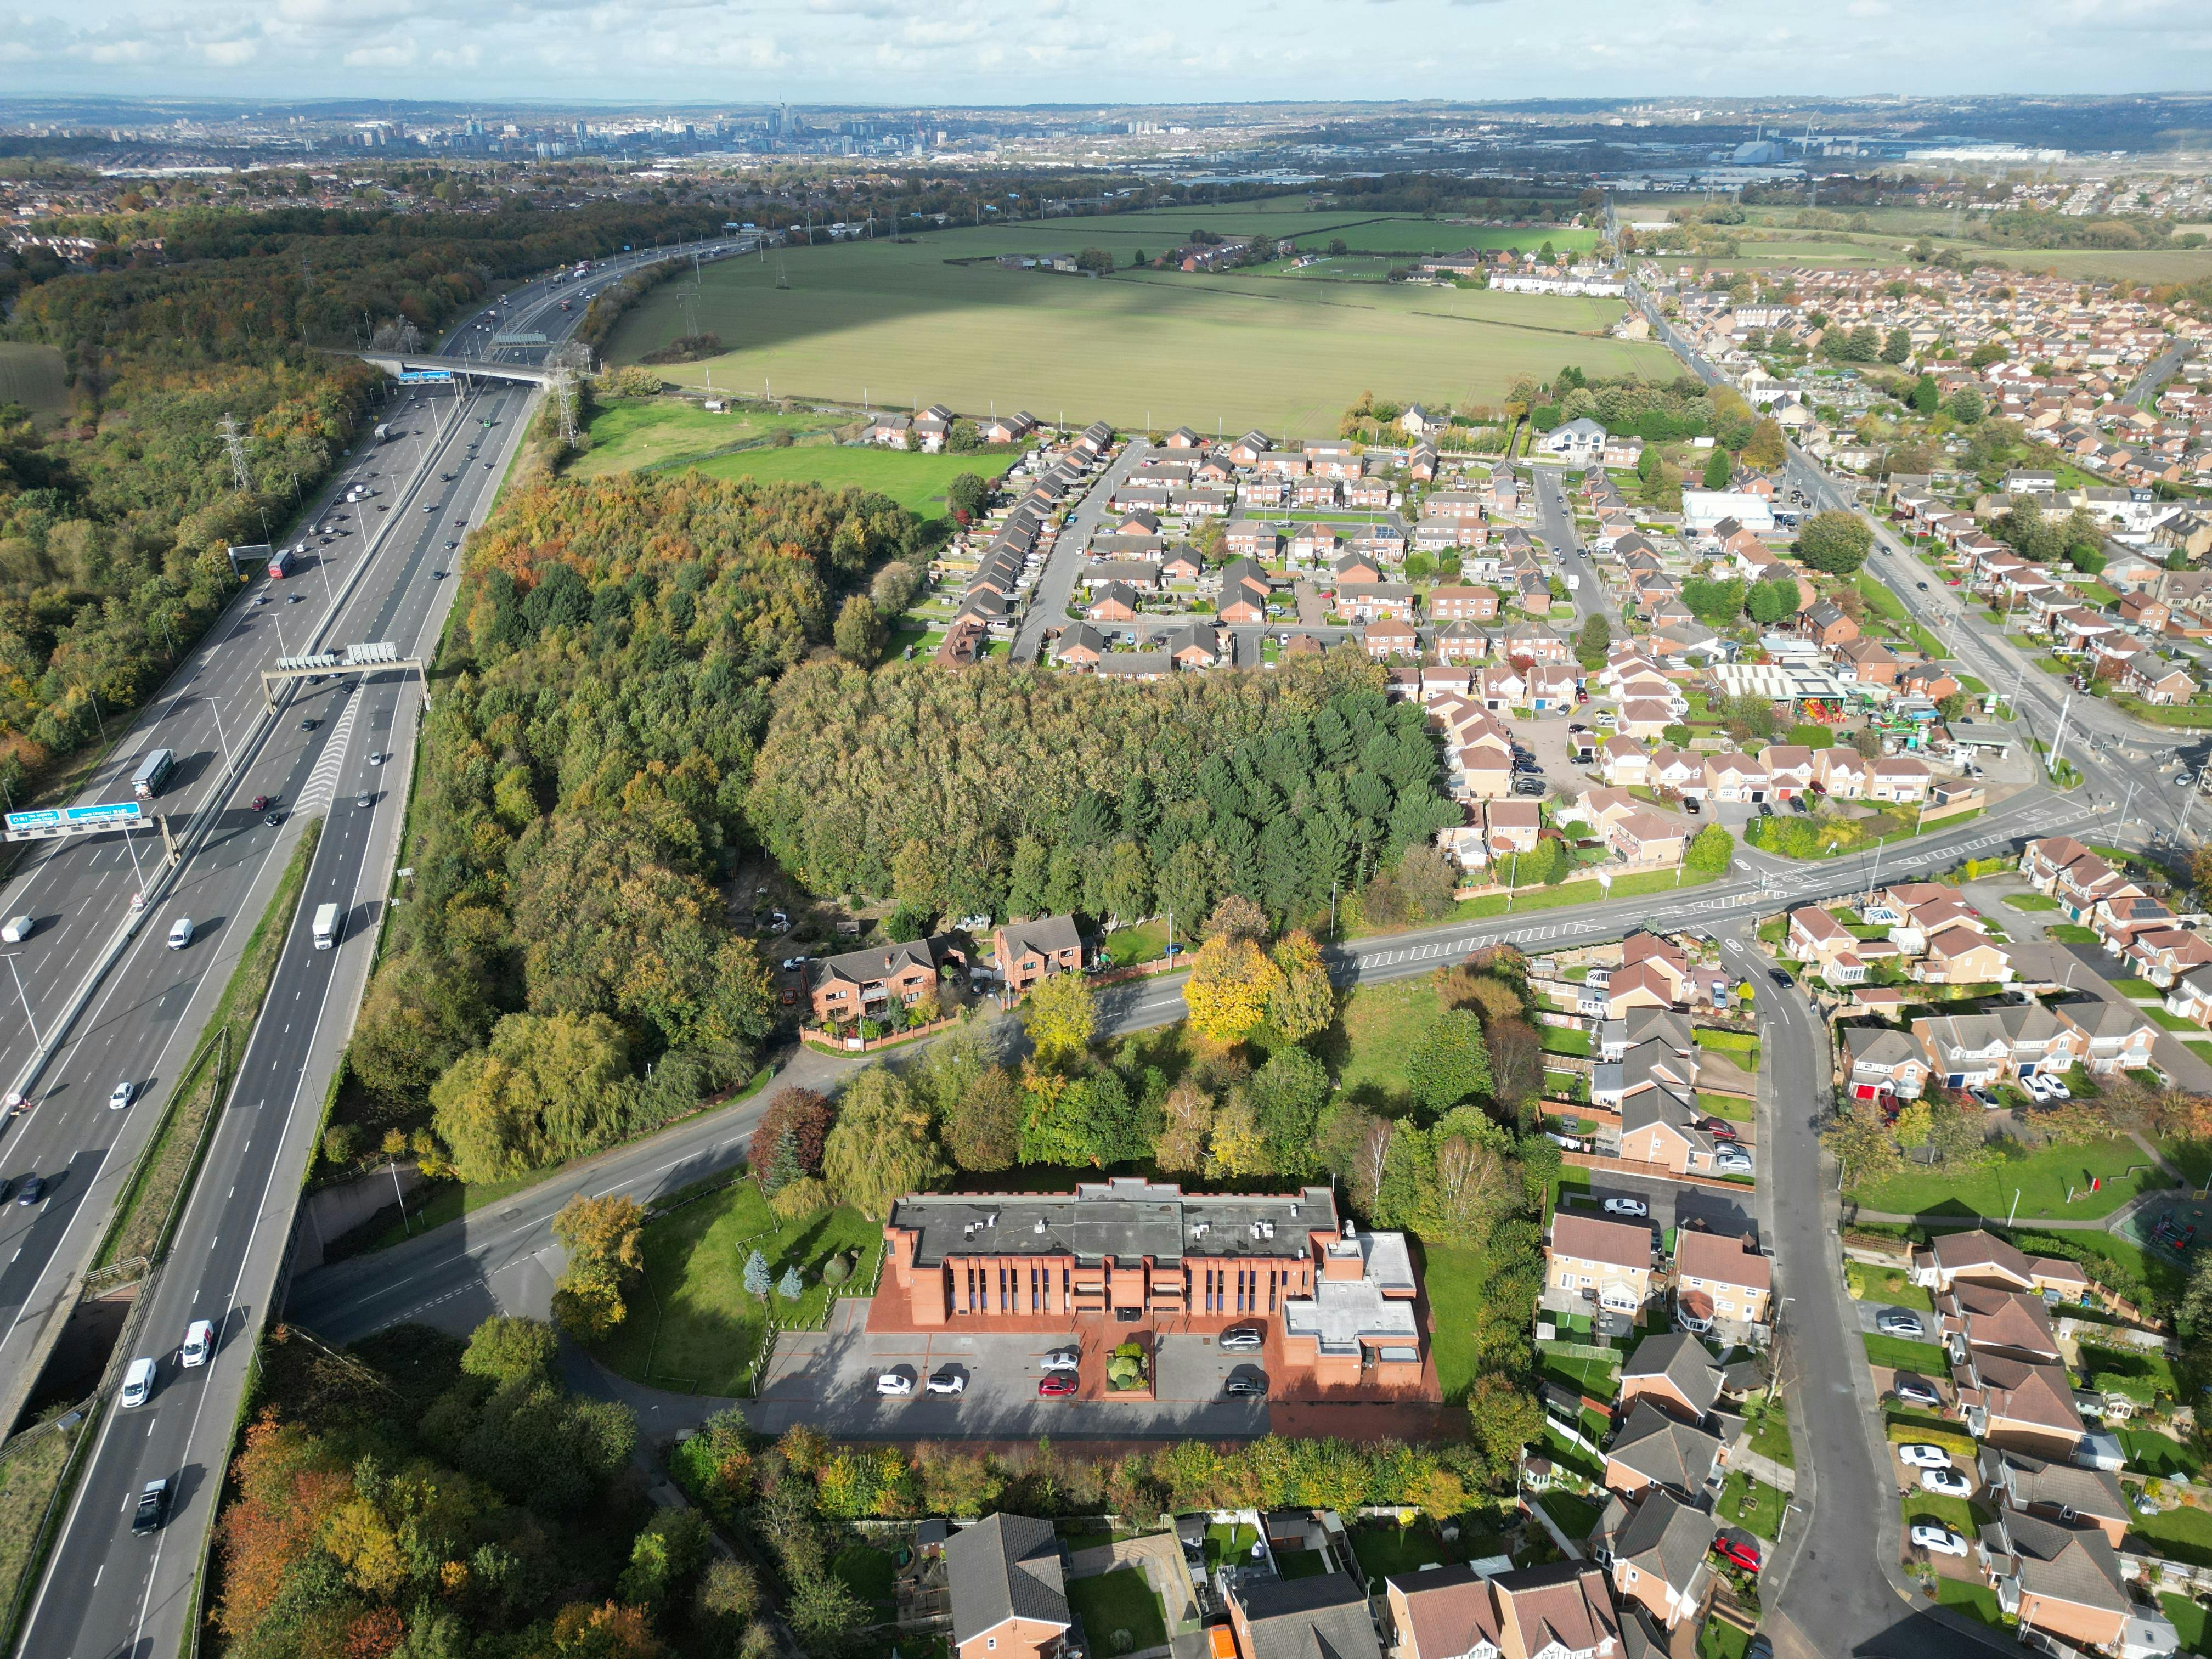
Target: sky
<point>1019,51</point>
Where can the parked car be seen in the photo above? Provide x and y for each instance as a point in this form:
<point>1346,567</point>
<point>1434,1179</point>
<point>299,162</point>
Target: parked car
<point>1982,1096</point>
<point>1690,806</point>
<point>1732,1158</point>
<point>1938,1540</point>
<point>1947,1481</point>
<point>1897,1321</point>
<point>1055,1385</point>
<point>1718,1127</point>
<point>1921,1455</point>
<point>1739,1548</point>
<point>1243,1339</point>
<point>947,1379</point>
<point>2055,1085</point>
<point>1635,1206</point>
<point>896,1384</point>
<point>1244,1385</point>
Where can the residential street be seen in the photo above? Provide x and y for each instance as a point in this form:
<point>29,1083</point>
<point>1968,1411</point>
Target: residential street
<point>1555,524</point>
<point>1056,582</point>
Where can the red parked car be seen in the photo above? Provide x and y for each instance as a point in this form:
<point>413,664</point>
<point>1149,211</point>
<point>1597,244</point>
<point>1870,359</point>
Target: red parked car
<point>1055,1383</point>
<point>1718,1127</point>
<point>1738,1547</point>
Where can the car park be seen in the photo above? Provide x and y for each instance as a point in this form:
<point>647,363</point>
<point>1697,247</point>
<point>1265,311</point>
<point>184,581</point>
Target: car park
<point>153,1507</point>
<point>1243,1339</point>
<point>1915,1394</point>
<point>121,1095</point>
<point>895,1384</point>
<point>1938,1540</point>
<point>199,1343</point>
<point>1919,1454</point>
<point>946,1379</point>
<point>1947,1481</point>
<point>1898,1322</point>
<point>1635,1206</point>
<point>1063,1360</point>
<point>1056,1385</point>
<point>33,1189</point>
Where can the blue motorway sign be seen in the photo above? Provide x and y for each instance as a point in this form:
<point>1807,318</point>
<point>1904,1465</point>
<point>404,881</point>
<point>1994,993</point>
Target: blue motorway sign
<point>426,377</point>
<point>121,812</point>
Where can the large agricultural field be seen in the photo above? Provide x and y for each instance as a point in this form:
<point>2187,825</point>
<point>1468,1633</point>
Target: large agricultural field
<point>934,319</point>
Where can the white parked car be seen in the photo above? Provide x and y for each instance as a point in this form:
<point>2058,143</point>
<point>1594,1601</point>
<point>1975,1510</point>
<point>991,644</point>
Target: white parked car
<point>199,1343</point>
<point>896,1384</point>
<point>2055,1085</point>
<point>1947,1481</point>
<point>1896,1321</point>
<point>1635,1206</point>
<point>946,1380</point>
<point>2038,1087</point>
<point>1921,1455</point>
<point>1063,1360</point>
<point>1939,1541</point>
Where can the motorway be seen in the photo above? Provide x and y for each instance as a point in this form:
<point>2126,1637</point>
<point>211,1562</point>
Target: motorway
<point>230,1242</point>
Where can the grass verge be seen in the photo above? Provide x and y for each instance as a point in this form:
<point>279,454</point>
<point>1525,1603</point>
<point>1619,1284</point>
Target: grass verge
<point>32,1480</point>
<point>166,1168</point>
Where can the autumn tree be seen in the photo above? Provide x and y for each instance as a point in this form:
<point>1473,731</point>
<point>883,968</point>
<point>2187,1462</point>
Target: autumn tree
<point>1302,1003</point>
<point>1230,988</point>
<point>1767,450</point>
<point>602,1239</point>
<point>1710,850</point>
<point>1237,918</point>
<point>1834,541</point>
<point>1505,1419</point>
<point>1059,1015</point>
<point>787,1146</point>
<point>511,1350</point>
<point>881,1148</point>
<point>1186,1125</point>
<point>545,1089</point>
<point>1860,1141</point>
<point>860,634</point>
<point>981,1127</point>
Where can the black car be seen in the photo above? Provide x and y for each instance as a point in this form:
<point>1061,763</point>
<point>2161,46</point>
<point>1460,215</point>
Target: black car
<point>1766,809</point>
<point>1243,1385</point>
<point>307,725</point>
<point>1779,977</point>
<point>1690,806</point>
<point>33,1189</point>
<point>153,1507</point>
<point>273,820</point>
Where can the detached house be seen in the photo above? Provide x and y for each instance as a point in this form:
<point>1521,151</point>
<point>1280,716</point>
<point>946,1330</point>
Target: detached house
<point>1008,1589</point>
<point>1721,1278</point>
<point>1589,1262</point>
<point>2061,1581</point>
<point>1558,1611</point>
<point>1026,951</point>
<point>868,984</point>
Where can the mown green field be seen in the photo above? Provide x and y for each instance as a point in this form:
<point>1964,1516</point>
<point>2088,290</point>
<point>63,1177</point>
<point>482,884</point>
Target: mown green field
<point>916,483</point>
<point>33,376</point>
<point>631,433</point>
<point>896,323</point>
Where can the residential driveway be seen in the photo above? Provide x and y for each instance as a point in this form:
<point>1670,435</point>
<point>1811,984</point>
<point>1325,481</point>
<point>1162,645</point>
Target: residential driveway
<point>828,1378</point>
<point>1871,1312</point>
<point>1672,1205</point>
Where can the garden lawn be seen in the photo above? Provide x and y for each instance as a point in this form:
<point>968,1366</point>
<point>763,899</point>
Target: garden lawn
<point>1385,1550</point>
<point>1575,892</point>
<point>1145,942</point>
<point>2070,932</point>
<point>1769,1432</point>
<point>2042,1178</point>
<point>1887,1286</point>
<point>2182,1533</point>
<point>1577,1517</point>
<point>1228,1541</point>
<point>915,482</point>
<point>1300,1564</point>
<point>704,1330</point>
<point>1454,1276</point>
<point>1719,1639</point>
<point>1120,1612</point>
<point>1598,1378</point>
<point>1559,1040</point>
<point>1903,1354</point>
<point>869,1573</point>
<point>1752,1504</point>
<point>1970,1597</point>
<point>2189,1620</point>
<point>2031,902</point>
<point>2153,1453</point>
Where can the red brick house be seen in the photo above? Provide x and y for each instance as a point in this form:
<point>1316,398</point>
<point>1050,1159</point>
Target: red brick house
<point>868,984</point>
<point>1026,951</point>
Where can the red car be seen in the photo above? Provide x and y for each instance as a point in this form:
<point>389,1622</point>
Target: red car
<point>1738,1548</point>
<point>1054,1384</point>
<point>260,802</point>
<point>1718,1127</point>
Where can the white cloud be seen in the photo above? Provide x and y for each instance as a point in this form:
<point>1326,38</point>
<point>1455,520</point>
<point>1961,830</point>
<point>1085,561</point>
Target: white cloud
<point>229,54</point>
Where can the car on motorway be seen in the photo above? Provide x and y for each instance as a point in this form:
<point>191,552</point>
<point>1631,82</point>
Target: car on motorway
<point>153,1507</point>
<point>1243,1339</point>
<point>363,800</point>
<point>295,598</point>
<point>1919,1454</point>
<point>1922,586</point>
<point>199,1343</point>
<point>121,1095</point>
<point>1938,1539</point>
<point>138,1382</point>
<point>1946,1480</point>
<point>1914,1393</point>
<point>1063,1360</point>
<point>1898,1322</point>
<point>376,757</point>
<point>1635,1206</point>
<point>308,724</point>
<point>260,804</point>
<point>18,929</point>
<point>1244,1385</point>
<point>272,819</point>
<point>896,1383</point>
<point>1055,1385</point>
<point>947,1379</point>
<point>180,932</point>
<point>487,466</point>
<point>32,1189</point>
<point>451,544</point>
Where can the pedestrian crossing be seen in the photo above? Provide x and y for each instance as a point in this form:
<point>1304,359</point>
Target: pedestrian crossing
<point>323,782</point>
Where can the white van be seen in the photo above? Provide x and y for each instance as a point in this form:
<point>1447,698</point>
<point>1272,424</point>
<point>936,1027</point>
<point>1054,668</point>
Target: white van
<point>17,930</point>
<point>138,1382</point>
<point>180,932</point>
<point>199,1342</point>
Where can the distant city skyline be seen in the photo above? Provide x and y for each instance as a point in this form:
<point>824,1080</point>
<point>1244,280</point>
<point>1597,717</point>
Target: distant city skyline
<point>1000,52</point>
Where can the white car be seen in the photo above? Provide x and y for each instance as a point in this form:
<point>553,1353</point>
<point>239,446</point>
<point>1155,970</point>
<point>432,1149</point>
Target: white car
<point>1732,1160</point>
<point>138,1382</point>
<point>2038,1088</point>
<point>2055,1085</point>
<point>1063,1360</point>
<point>199,1343</point>
<point>946,1380</point>
<point>1635,1206</point>
<point>897,1384</point>
<point>1896,1321</point>
<point>1921,1455</point>
<point>1947,1481</point>
<point>1939,1540</point>
<point>121,1095</point>
<point>180,932</point>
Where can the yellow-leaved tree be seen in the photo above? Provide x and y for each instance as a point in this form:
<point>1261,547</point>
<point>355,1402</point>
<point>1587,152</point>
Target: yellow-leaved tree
<point>1228,988</point>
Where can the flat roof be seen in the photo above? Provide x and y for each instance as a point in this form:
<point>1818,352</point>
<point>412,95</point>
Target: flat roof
<point>1123,1219</point>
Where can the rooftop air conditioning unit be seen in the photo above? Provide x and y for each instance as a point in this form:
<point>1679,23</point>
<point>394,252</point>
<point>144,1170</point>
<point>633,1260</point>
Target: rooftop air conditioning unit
<point>1039,1228</point>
